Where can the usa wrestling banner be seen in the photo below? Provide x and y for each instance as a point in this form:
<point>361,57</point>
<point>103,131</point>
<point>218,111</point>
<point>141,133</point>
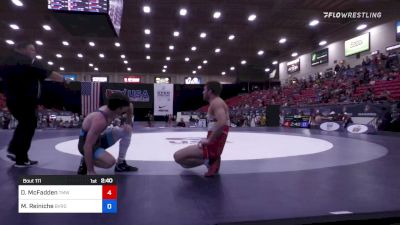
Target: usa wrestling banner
<point>140,94</point>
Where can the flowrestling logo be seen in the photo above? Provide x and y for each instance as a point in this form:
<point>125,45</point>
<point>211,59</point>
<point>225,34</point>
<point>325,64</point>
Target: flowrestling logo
<point>352,15</point>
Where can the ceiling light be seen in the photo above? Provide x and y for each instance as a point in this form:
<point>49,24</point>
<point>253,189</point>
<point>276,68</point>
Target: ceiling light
<point>146,9</point>
<point>14,26</point>
<point>199,67</point>
<point>274,62</point>
<point>167,58</point>
<point>123,56</point>
<point>62,68</point>
<point>252,17</point>
<point>101,55</point>
<point>10,42</point>
<point>194,71</point>
<point>261,52</point>
<point>39,42</point>
<point>171,47</point>
<point>362,27</point>
<point>194,48</point>
<point>217,15</point>
<point>164,70</point>
<point>267,70</point>
<point>187,59</point>
<point>231,37</point>
<point>232,68</point>
<point>322,43</point>
<point>125,61</point>
<point>282,40</point>
<point>97,69</point>
<point>165,66</point>
<point>294,54</point>
<point>176,34</point>
<point>80,55</point>
<point>58,55</point>
<point>91,64</point>
<point>148,57</point>
<point>147,45</point>
<point>129,69</point>
<point>39,57</point>
<point>117,44</point>
<point>205,61</point>
<point>314,23</point>
<point>17,3</point>
<point>65,43</point>
<point>50,63</point>
<point>243,62</point>
<point>92,44</point>
<point>217,50</point>
<point>183,12</point>
<point>203,35</point>
<point>223,73</point>
<point>147,31</point>
<point>46,27</point>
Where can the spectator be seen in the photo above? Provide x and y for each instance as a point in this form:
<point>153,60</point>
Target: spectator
<point>181,123</point>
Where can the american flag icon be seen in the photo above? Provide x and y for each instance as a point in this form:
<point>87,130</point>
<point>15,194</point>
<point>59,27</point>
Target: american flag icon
<point>90,97</point>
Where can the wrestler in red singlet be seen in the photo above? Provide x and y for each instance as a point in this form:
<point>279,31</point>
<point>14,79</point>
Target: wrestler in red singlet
<point>208,151</point>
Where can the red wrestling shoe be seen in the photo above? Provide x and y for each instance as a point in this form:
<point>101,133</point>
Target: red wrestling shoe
<point>213,167</point>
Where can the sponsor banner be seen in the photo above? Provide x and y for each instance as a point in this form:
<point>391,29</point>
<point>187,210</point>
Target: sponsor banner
<point>354,110</point>
<point>99,79</point>
<point>162,80</point>
<point>329,126</point>
<point>192,80</point>
<point>163,99</point>
<point>319,57</point>
<point>356,45</point>
<point>140,94</point>
<point>132,79</point>
<point>293,66</point>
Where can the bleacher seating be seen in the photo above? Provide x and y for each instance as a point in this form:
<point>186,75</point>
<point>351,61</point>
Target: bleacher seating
<point>349,85</point>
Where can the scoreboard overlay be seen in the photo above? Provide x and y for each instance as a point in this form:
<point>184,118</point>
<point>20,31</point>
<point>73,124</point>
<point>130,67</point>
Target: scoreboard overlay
<point>67,194</point>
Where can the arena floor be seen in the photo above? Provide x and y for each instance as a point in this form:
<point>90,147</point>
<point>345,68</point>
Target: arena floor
<point>266,174</point>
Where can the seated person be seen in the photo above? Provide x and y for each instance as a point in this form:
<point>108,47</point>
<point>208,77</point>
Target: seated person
<point>181,123</point>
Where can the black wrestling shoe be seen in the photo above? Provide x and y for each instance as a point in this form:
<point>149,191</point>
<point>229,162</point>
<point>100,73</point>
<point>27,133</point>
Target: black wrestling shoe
<point>26,163</point>
<point>123,167</point>
<point>82,170</point>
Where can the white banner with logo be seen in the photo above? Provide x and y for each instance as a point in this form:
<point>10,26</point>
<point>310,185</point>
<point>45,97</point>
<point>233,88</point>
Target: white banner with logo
<point>163,99</point>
